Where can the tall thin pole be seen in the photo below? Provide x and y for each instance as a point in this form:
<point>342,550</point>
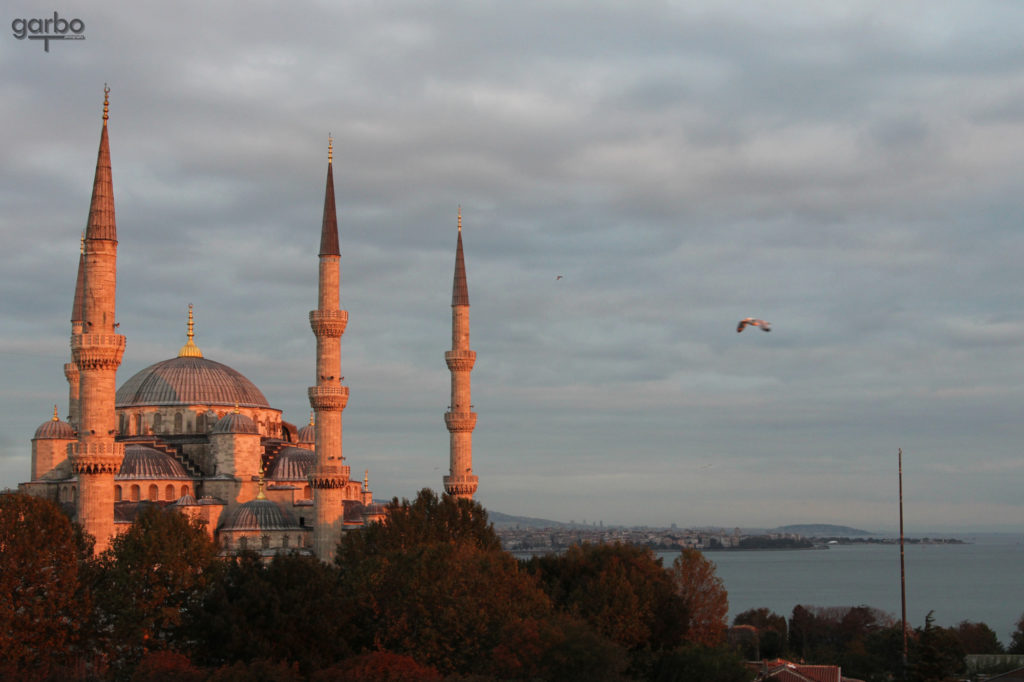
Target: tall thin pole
<point>903,570</point>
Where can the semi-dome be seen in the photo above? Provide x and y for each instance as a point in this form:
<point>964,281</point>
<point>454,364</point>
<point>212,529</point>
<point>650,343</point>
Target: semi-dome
<point>55,429</point>
<point>236,422</point>
<point>144,462</point>
<point>307,434</point>
<point>189,381</point>
<point>292,464</point>
<point>260,514</point>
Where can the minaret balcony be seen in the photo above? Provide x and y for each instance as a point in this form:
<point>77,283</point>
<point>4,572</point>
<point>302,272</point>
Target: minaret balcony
<point>460,421</point>
<point>330,398</point>
<point>97,351</point>
<point>328,323</point>
<point>330,476</point>
<point>96,457</point>
<point>460,360</point>
<point>461,486</point>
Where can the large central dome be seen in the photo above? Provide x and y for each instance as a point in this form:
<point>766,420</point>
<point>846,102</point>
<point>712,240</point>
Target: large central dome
<point>189,381</point>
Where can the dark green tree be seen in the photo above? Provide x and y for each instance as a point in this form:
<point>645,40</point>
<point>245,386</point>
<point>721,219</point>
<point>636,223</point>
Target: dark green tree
<point>153,576</point>
<point>43,598</point>
<point>771,630</point>
<point>936,654</point>
<point>1017,638</point>
<point>696,663</point>
<point>290,609</point>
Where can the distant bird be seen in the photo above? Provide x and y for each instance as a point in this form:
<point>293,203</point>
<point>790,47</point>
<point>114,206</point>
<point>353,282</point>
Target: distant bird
<point>753,322</point>
<point>558,278</point>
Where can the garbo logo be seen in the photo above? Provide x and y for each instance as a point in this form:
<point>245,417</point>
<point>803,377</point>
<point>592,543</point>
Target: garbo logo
<point>48,29</point>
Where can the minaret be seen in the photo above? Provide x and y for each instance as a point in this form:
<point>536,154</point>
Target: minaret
<point>460,418</point>
<point>70,368</point>
<point>97,351</point>
<point>328,398</point>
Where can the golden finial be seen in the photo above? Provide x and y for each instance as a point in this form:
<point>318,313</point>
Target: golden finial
<point>190,350</point>
<point>330,148</point>
<point>81,246</point>
<point>311,421</point>
<point>366,480</point>
<point>55,417</point>
<point>106,103</point>
<point>460,217</point>
<point>259,483</point>
<point>236,408</point>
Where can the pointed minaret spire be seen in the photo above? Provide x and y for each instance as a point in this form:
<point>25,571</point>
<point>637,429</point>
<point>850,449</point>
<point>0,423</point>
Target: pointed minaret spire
<point>460,418</point>
<point>329,231</point>
<point>329,476</point>
<point>96,349</point>
<point>70,368</point>
<point>102,224</point>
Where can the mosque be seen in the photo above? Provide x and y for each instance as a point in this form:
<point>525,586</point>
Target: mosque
<point>195,435</point>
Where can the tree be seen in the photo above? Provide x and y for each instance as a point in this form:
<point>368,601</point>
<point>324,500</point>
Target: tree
<point>378,666</point>
<point>703,596</point>
<point>290,609</point>
<point>1017,639</point>
<point>771,630</point>
<point>977,638</point>
<point>936,654</point>
<point>150,579</point>
<point>427,520</point>
<point>698,663</point>
<point>43,601</point>
<point>621,590</point>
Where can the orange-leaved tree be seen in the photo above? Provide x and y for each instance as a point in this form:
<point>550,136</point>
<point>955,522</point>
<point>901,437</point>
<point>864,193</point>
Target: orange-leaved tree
<point>704,597</point>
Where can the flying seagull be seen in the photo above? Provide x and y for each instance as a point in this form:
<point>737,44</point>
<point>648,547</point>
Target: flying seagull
<point>753,322</point>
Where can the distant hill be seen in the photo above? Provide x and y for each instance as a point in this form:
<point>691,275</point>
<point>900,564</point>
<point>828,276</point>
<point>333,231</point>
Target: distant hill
<point>823,530</point>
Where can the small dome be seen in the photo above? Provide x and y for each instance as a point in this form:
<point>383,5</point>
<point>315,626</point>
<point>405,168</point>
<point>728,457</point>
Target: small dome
<point>55,429</point>
<point>186,501</point>
<point>261,515</point>
<point>143,462</point>
<point>236,422</point>
<point>307,434</point>
<point>292,464</point>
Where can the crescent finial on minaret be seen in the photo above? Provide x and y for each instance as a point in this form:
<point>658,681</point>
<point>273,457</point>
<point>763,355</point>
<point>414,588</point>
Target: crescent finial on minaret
<point>106,103</point>
<point>460,217</point>
<point>330,148</point>
<point>55,417</point>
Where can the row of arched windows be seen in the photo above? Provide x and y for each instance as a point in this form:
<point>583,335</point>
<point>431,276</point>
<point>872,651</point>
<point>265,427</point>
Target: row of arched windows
<point>152,493</point>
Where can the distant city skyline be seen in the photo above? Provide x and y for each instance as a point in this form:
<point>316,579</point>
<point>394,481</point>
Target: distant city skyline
<point>634,179</point>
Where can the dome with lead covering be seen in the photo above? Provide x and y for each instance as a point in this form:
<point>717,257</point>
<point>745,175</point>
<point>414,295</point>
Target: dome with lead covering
<point>143,462</point>
<point>260,514</point>
<point>189,381</point>
<point>55,429</point>
<point>292,464</point>
<point>236,422</point>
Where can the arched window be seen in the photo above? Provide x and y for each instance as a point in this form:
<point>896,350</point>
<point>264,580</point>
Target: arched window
<point>307,493</point>
<point>178,422</point>
<point>227,542</point>
<point>184,490</point>
<point>134,493</point>
<point>266,541</point>
<point>170,492</point>
<point>157,420</point>
<point>154,492</point>
<point>200,423</point>
<point>117,493</point>
<point>285,541</point>
<point>138,424</point>
<point>243,543</point>
<point>74,492</point>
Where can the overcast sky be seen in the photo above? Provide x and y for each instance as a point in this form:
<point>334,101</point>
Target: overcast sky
<point>849,171</point>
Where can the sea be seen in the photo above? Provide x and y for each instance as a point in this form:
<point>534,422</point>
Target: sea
<point>980,581</point>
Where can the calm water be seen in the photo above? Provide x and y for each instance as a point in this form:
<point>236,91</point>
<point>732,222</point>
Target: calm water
<point>977,582</point>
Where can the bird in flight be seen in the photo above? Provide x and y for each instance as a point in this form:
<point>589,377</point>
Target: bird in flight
<point>558,278</point>
<point>753,322</point>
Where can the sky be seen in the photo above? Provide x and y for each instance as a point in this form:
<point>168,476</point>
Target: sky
<point>634,178</point>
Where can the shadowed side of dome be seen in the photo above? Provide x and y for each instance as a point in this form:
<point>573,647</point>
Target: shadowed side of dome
<point>142,462</point>
<point>292,464</point>
<point>236,422</point>
<point>189,381</point>
<point>261,515</point>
